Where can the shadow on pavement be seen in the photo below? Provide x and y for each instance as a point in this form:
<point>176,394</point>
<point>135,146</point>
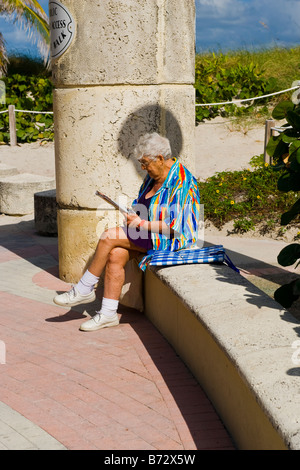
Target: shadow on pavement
<point>195,408</point>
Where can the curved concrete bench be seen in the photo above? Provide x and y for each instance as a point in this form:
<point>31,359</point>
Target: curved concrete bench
<point>239,344</point>
<point>45,212</point>
<point>17,192</point>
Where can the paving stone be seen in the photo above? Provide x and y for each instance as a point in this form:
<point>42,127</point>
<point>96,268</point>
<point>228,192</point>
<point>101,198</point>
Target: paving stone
<point>121,388</point>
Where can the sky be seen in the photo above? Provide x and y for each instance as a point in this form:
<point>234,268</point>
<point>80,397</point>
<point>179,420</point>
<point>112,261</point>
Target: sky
<point>246,24</point>
<point>221,25</point>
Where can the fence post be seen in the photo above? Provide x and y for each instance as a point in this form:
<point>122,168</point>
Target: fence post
<point>268,133</point>
<point>12,125</point>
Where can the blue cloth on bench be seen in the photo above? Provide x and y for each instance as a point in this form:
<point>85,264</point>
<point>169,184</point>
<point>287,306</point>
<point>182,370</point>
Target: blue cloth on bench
<point>210,254</point>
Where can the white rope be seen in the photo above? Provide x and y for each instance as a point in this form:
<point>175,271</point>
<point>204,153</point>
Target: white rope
<point>248,99</point>
<point>281,129</point>
<point>32,112</point>
<point>198,104</point>
<point>27,111</point>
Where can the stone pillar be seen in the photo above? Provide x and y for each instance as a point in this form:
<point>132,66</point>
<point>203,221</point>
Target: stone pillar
<point>129,70</point>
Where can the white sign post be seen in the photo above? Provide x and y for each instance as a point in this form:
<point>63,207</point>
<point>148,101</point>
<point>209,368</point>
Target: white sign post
<point>62,28</point>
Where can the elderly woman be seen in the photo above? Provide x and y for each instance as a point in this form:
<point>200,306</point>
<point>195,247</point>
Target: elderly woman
<point>165,218</point>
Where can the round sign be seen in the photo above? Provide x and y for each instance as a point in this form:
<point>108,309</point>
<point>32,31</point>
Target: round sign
<point>62,28</point>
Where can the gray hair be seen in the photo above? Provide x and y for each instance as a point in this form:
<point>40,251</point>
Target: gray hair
<point>152,145</point>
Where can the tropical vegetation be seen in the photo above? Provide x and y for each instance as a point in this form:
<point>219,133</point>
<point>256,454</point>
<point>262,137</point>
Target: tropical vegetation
<point>250,198</point>
<point>27,84</point>
<point>28,93</point>
<point>285,152</point>
<point>242,75</point>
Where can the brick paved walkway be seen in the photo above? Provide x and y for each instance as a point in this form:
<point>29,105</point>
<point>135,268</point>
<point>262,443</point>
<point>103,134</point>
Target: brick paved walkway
<point>121,388</point>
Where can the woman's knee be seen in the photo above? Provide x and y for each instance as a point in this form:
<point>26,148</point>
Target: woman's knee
<point>107,240</point>
<point>118,257</point>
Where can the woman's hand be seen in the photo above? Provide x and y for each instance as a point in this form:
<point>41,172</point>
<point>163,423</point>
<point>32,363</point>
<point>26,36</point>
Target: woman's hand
<point>132,220</point>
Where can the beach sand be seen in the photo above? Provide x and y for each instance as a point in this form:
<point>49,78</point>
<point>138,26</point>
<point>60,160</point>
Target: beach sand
<point>218,147</point>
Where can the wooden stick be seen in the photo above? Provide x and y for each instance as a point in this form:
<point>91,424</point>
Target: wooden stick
<point>12,125</point>
<point>268,133</point>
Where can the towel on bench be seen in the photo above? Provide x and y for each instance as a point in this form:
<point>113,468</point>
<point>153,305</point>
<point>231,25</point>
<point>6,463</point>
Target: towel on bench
<point>210,254</point>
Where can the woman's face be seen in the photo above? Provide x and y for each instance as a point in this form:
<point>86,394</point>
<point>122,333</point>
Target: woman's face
<point>154,168</point>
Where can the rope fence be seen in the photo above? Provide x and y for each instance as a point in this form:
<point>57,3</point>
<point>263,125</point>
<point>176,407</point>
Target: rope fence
<point>269,126</point>
<point>12,120</point>
<point>248,99</point>
<point>33,112</point>
<point>26,111</point>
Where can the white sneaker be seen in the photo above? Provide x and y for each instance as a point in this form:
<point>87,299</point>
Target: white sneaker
<point>99,321</point>
<point>73,297</point>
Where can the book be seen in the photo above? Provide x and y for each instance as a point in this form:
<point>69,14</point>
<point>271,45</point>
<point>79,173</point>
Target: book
<point>115,204</point>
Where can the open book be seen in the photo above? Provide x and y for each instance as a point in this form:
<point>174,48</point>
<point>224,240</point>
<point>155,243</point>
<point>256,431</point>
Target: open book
<point>116,205</point>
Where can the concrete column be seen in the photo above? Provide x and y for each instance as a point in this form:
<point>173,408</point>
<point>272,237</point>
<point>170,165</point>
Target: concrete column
<point>129,70</point>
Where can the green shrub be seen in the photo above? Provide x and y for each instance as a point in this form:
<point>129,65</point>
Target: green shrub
<point>285,151</point>
<point>248,197</point>
<point>218,80</point>
<point>33,93</point>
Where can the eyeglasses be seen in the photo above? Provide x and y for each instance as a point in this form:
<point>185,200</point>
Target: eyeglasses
<point>145,164</point>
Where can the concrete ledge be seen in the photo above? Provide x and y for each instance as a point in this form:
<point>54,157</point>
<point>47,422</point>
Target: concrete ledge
<point>238,343</point>
<point>17,192</point>
<point>45,212</point>
<point>6,170</point>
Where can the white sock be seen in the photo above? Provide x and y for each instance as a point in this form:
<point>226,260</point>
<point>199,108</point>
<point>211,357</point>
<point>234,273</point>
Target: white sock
<point>87,283</point>
<point>109,307</point>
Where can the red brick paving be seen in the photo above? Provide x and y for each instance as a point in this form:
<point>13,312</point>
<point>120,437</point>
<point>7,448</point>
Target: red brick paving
<point>122,388</point>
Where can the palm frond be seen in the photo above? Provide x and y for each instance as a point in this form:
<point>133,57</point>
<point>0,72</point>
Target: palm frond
<point>3,57</point>
<point>32,18</point>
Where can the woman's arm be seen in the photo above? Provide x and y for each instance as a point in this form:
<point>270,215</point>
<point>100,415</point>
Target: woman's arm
<point>135,221</point>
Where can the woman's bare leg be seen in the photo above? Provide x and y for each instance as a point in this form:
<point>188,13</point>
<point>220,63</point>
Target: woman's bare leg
<point>115,271</point>
<point>110,239</point>
<point>113,254</point>
<point>114,249</point>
